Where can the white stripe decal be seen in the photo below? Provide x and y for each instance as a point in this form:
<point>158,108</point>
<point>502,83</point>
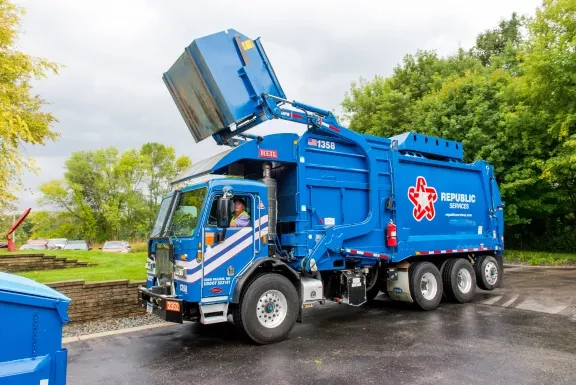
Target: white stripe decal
<point>214,299</point>
<point>221,246</point>
<point>223,258</point>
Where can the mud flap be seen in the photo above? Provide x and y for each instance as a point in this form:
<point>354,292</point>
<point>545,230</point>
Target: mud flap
<point>500,260</point>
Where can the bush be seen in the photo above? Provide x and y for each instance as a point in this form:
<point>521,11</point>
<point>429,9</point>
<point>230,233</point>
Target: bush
<point>138,247</point>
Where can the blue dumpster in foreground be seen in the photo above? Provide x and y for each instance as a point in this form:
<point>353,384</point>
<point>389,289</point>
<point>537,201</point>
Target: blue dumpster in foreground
<point>31,319</point>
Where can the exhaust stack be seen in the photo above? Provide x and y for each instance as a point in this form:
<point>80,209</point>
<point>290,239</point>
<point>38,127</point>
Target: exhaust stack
<point>272,207</point>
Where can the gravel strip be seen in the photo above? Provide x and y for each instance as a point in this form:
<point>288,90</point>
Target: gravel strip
<point>75,329</point>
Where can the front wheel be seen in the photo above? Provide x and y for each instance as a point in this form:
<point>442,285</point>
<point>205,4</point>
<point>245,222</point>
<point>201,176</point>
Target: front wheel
<point>425,285</point>
<point>268,309</point>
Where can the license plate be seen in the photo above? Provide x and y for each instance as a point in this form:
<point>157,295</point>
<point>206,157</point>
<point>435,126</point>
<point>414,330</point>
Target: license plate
<point>149,307</point>
<point>172,306</point>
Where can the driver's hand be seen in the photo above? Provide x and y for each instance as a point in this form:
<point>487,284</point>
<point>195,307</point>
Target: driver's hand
<point>233,224</point>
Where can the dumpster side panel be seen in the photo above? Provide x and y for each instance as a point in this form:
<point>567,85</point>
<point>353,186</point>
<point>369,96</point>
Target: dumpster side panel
<point>28,371</point>
<point>28,331</point>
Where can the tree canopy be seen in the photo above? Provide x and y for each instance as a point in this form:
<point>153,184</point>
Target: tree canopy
<point>22,119</point>
<point>511,100</point>
<point>106,194</point>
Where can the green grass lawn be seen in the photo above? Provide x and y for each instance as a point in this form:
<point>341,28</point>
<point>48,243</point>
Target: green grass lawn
<point>537,258</point>
<point>110,266</point>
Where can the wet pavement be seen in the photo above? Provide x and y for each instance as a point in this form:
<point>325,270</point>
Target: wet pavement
<point>384,342</point>
<point>541,289</point>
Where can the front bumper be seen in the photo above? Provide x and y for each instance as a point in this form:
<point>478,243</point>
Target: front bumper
<point>168,308</point>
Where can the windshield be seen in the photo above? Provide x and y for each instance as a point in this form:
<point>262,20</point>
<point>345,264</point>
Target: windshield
<point>76,245</point>
<point>164,208</point>
<point>185,217</point>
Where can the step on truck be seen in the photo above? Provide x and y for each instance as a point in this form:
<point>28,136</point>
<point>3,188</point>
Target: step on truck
<point>279,223</point>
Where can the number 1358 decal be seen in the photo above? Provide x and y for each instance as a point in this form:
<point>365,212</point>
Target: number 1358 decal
<point>326,144</point>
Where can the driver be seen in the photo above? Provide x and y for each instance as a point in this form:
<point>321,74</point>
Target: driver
<point>240,218</point>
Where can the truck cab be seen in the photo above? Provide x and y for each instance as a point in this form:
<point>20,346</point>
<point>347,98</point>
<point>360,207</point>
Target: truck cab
<point>196,253</point>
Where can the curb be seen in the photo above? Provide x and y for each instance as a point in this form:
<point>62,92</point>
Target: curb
<point>559,267</point>
<point>85,337</point>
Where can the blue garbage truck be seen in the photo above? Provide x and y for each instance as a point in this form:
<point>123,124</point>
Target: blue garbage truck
<point>279,223</point>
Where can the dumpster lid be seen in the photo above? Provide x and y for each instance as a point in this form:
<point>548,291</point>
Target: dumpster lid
<point>16,284</point>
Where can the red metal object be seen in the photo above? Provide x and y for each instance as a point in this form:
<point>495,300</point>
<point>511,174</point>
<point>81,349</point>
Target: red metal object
<point>15,225</point>
<point>392,240</point>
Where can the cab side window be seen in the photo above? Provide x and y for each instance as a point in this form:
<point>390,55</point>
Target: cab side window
<point>244,218</point>
<point>213,214</point>
<point>241,215</point>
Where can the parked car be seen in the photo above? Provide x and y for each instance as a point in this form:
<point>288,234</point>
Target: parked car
<point>57,243</point>
<point>77,245</point>
<point>39,241</point>
<point>34,246</point>
<point>116,247</point>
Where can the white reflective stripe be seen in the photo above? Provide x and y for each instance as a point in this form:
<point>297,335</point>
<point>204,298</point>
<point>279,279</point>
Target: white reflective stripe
<point>214,299</point>
<point>226,256</point>
<point>221,246</point>
<point>223,258</point>
<point>209,254</point>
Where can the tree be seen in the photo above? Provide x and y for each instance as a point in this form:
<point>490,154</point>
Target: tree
<point>113,195</point>
<point>22,120</point>
<point>496,42</point>
<point>384,106</point>
<point>161,166</point>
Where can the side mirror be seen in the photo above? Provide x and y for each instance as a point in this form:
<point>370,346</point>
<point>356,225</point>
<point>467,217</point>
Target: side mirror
<point>222,212</point>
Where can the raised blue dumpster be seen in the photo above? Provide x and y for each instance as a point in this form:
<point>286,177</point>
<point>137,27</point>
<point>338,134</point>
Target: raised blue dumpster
<point>31,319</point>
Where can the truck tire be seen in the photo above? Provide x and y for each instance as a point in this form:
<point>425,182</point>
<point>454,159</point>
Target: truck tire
<point>268,309</point>
<point>372,293</point>
<point>459,280</point>
<point>425,285</point>
<point>488,272</point>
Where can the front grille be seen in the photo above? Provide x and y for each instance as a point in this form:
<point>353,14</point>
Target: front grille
<point>163,264</point>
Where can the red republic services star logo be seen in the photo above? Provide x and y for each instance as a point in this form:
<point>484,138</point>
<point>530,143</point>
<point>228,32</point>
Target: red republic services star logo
<point>423,197</point>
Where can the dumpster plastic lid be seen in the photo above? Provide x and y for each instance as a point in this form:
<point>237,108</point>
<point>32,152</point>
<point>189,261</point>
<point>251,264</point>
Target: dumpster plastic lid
<point>16,284</point>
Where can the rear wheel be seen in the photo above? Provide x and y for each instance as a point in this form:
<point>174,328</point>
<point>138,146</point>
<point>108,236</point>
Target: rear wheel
<point>487,272</point>
<point>268,309</point>
<point>372,287</point>
<point>372,293</point>
<point>425,285</point>
<point>459,280</point>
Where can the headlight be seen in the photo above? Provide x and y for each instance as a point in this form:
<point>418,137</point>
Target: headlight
<point>180,271</point>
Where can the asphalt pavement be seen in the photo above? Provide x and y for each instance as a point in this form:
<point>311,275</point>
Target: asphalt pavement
<point>380,343</point>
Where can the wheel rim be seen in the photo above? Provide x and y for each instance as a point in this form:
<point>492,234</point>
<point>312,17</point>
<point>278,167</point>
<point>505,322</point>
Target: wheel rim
<point>271,309</point>
<point>464,280</point>
<point>491,273</point>
<point>428,286</point>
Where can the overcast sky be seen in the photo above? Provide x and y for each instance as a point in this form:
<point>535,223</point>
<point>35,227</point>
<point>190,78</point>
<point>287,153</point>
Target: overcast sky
<point>115,51</point>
